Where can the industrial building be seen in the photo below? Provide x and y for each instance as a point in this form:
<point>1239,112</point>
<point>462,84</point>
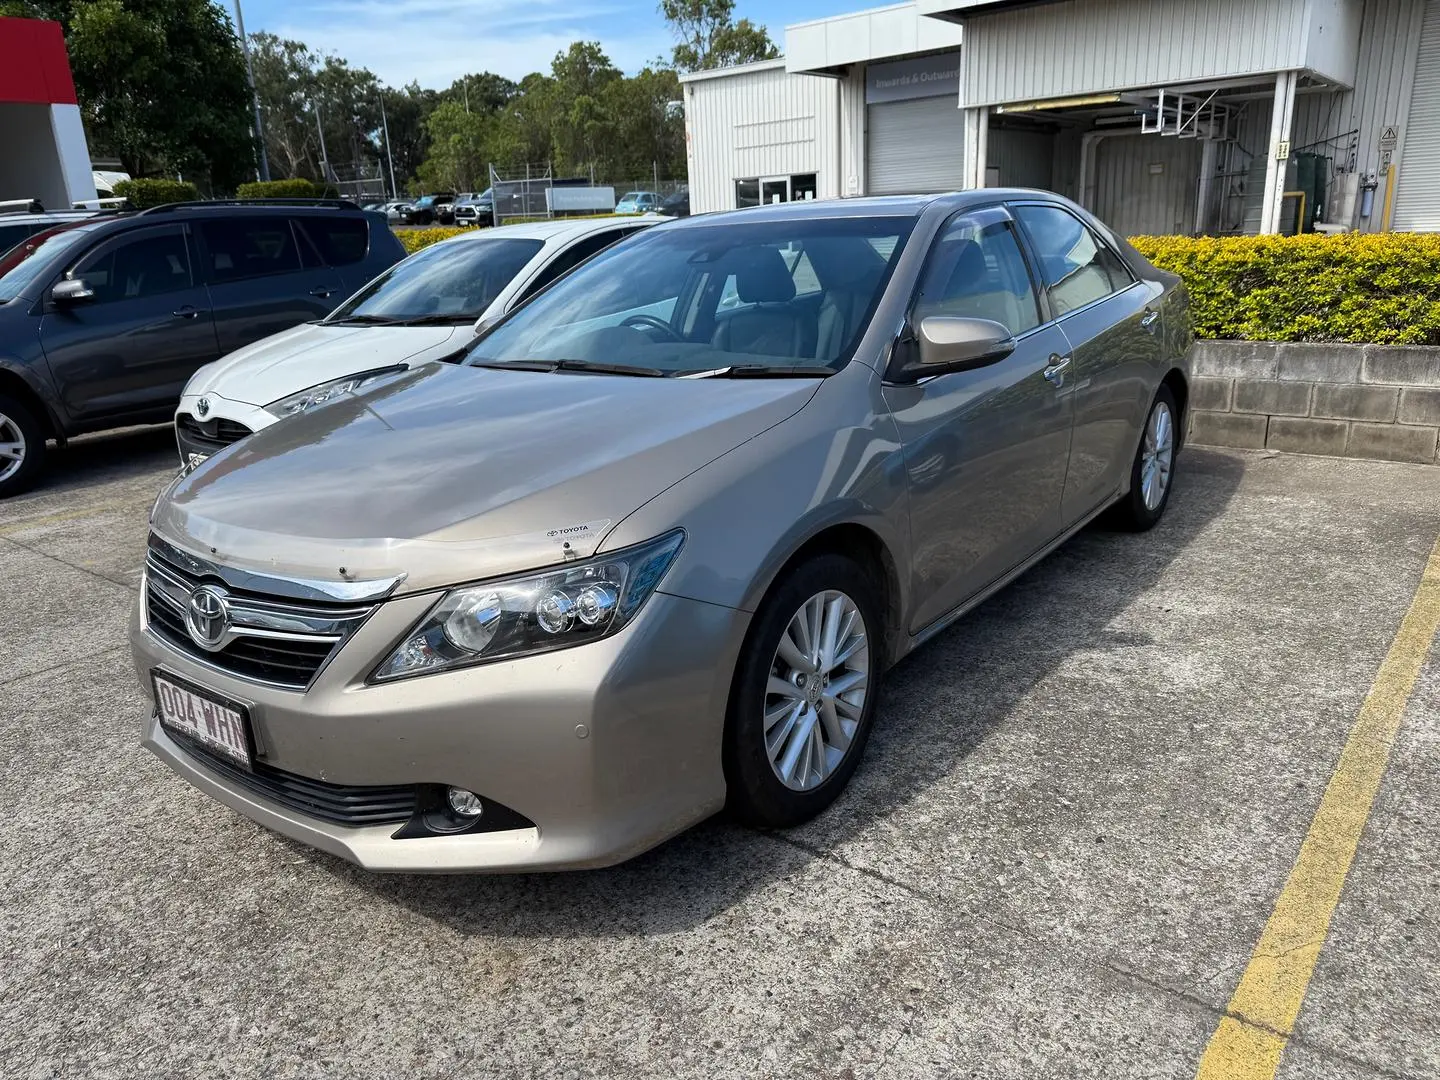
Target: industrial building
<point>1187,116</point>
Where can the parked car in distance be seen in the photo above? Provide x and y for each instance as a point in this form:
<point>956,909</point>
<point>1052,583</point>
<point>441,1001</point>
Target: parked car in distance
<point>475,209</point>
<point>103,321</point>
<point>24,218</point>
<point>427,209</point>
<point>637,558</point>
<point>426,307</point>
<point>395,211</point>
<point>637,202</point>
<point>677,204</point>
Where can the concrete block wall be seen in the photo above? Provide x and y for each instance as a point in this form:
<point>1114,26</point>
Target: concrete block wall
<point>1364,401</point>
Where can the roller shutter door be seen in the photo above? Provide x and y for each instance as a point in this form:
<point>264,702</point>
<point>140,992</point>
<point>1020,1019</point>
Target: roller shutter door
<point>1417,194</point>
<point>914,146</point>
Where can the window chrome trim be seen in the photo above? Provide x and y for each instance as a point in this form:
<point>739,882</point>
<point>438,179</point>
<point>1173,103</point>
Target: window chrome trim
<point>295,588</point>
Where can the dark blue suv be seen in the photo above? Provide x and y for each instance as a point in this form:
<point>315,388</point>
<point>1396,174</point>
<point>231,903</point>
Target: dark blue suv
<point>103,321</point>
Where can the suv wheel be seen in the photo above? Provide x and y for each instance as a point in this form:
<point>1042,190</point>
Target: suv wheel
<point>805,693</point>
<point>22,447</point>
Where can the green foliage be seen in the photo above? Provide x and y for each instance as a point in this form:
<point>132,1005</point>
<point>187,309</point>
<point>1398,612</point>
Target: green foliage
<point>412,240</point>
<point>297,188</point>
<point>1356,287</point>
<point>143,194</point>
<point>161,85</point>
<point>706,35</point>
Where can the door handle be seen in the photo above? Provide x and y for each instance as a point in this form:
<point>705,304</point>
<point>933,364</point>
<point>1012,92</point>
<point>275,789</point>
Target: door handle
<point>1148,319</point>
<point>186,312</point>
<point>1056,371</point>
<point>321,291</point>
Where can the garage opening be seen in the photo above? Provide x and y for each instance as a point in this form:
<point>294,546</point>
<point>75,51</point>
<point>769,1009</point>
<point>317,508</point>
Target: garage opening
<point>914,126</point>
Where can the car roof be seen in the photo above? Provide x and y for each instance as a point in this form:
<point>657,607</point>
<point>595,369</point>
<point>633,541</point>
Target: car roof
<point>555,230</point>
<point>906,206</point>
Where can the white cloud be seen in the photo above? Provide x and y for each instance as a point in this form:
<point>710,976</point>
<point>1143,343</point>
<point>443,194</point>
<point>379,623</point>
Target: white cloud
<point>437,41</point>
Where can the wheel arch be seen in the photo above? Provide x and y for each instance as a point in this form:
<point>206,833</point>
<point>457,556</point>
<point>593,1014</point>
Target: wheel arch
<point>17,386</point>
<point>1179,386</point>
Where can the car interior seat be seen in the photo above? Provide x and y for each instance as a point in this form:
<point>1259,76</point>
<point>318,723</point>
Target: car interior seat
<point>771,326</point>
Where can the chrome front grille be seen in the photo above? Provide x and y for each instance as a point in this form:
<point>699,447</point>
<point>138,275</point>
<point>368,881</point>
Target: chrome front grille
<point>261,639</point>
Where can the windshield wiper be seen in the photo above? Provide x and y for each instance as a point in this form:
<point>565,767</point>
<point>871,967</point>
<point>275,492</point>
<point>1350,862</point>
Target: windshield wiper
<point>763,371</point>
<point>587,366</point>
<point>437,318</point>
<point>364,320</point>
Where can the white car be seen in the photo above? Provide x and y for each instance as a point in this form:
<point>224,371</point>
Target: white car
<point>423,308</point>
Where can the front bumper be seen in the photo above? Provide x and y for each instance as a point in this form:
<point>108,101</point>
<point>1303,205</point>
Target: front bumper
<point>609,748</point>
<point>243,413</point>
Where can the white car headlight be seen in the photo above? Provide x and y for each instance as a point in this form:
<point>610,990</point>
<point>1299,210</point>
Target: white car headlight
<point>328,391</point>
<point>534,613</point>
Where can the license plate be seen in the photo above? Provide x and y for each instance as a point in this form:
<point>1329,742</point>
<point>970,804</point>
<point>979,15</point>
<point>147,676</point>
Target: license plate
<point>221,727</point>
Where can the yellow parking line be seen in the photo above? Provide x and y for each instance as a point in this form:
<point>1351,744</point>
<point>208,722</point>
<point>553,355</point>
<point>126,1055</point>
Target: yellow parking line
<point>63,516</point>
<point>1250,1039</point>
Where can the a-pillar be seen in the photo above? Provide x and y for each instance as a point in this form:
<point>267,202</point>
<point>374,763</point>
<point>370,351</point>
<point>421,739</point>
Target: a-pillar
<point>977,138</point>
<point>1281,120</point>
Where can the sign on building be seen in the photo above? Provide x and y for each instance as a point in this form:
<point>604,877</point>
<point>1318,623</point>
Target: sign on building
<point>906,80</point>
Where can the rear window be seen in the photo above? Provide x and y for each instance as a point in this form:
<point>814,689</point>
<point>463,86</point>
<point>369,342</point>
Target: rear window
<point>249,247</point>
<point>340,240</point>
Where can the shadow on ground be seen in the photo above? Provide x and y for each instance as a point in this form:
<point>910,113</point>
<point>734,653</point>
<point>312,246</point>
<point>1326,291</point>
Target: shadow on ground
<point>940,703</point>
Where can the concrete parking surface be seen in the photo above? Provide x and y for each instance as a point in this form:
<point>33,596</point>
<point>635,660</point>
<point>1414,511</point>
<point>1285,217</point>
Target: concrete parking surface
<point>1075,817</point>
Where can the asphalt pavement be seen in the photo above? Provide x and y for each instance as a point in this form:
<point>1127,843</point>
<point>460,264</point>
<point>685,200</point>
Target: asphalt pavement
<point>1078,812</point>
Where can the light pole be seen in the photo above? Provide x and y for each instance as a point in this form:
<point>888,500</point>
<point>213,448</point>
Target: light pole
<point>385,125</point>
<point>254,97</point>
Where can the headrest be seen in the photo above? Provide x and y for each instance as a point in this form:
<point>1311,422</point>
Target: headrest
<point>761,277</point>
<point>969,270</point>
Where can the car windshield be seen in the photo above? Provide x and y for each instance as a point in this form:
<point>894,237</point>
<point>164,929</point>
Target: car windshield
<point>451,282</point>
<point>770,297</point>
<point>21,264</point>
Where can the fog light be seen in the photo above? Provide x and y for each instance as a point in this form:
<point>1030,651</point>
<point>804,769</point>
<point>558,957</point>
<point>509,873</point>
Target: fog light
<point>465,804</point>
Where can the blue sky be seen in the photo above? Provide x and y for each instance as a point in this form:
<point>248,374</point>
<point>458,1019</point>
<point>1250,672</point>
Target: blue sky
<point>436,41</point>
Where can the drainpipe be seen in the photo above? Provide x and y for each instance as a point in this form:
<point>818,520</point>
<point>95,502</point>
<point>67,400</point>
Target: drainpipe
<point>1088,142</point>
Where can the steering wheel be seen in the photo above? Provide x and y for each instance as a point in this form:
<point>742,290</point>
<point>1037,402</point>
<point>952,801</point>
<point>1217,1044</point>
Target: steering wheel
<point>650,322</point>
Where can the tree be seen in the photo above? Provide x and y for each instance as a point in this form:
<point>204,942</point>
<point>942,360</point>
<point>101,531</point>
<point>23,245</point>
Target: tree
<point>161,84</point>
<point>706,35</point>
<point>458,158</point>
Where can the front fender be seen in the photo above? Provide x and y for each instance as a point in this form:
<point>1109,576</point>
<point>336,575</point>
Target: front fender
<point>836,462</point>
<point>36,378</point>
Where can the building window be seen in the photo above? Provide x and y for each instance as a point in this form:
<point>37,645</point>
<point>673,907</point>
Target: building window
<point>764,190</point>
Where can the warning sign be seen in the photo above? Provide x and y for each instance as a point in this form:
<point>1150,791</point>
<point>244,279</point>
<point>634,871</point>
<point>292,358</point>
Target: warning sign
<point>1389,136</point>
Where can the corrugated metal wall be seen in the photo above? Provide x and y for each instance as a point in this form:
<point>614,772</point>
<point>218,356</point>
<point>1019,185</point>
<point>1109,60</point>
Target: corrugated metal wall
<point>1085,46</point>
<point>1133,199</point>
<point>756,123</point>
<point>1024,158</point>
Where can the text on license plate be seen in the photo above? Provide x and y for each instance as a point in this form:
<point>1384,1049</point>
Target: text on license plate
<point>218,727</point>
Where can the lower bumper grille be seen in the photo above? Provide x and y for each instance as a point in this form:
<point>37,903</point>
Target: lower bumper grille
<point>341,804</point>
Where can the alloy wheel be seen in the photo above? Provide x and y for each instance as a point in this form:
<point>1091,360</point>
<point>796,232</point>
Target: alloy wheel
<point>1157,455</point>
<point>815,695</point>
<point>12,448</point>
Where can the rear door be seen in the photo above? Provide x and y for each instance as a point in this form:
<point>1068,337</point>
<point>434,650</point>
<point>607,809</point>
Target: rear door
<point>1112,323</point>
<point>132,346</point>
<point>986,450</point>
<point>264,276</point>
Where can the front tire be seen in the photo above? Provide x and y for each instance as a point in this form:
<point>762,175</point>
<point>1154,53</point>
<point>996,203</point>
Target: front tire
<point>22,447</point>
<point>1152,474</point>
<point>805,693</point>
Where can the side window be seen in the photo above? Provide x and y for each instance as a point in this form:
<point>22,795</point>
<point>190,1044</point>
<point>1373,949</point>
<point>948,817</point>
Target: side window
<point>10,235</point>
<point>249,247</point>
<point>150,264</point>
<point>568,259</point>
<point>341,240</point>
<point>976,271</point>
<point>1077,267</point>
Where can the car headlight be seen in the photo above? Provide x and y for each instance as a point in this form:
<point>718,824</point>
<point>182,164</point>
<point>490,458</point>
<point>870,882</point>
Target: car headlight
<point>534,613</point>
<point>328,391</point>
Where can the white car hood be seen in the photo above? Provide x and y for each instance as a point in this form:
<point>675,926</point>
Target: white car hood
<point>304,356</point>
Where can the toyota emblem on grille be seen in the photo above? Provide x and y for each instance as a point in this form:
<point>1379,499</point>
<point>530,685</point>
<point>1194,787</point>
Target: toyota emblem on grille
<point>202,408</point>
<point>207,617</point>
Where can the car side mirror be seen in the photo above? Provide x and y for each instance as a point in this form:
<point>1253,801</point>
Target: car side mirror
<point>949,344</point>
<point>71,290</point>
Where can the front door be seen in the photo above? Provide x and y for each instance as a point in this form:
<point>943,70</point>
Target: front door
<point>130,347</point>
<point>986,450</point>
<point>1112,323</point>
<point>263,278</point>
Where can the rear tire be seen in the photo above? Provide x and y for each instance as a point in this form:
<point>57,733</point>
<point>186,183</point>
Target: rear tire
<point>22,447</point>
<point>1152,473</point>
<point>801,708</point>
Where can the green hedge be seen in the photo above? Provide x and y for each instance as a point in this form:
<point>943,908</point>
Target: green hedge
<point>285,189</point>
<point>1355,287</point>
<point>412,240</point>
<point>143,194</point>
